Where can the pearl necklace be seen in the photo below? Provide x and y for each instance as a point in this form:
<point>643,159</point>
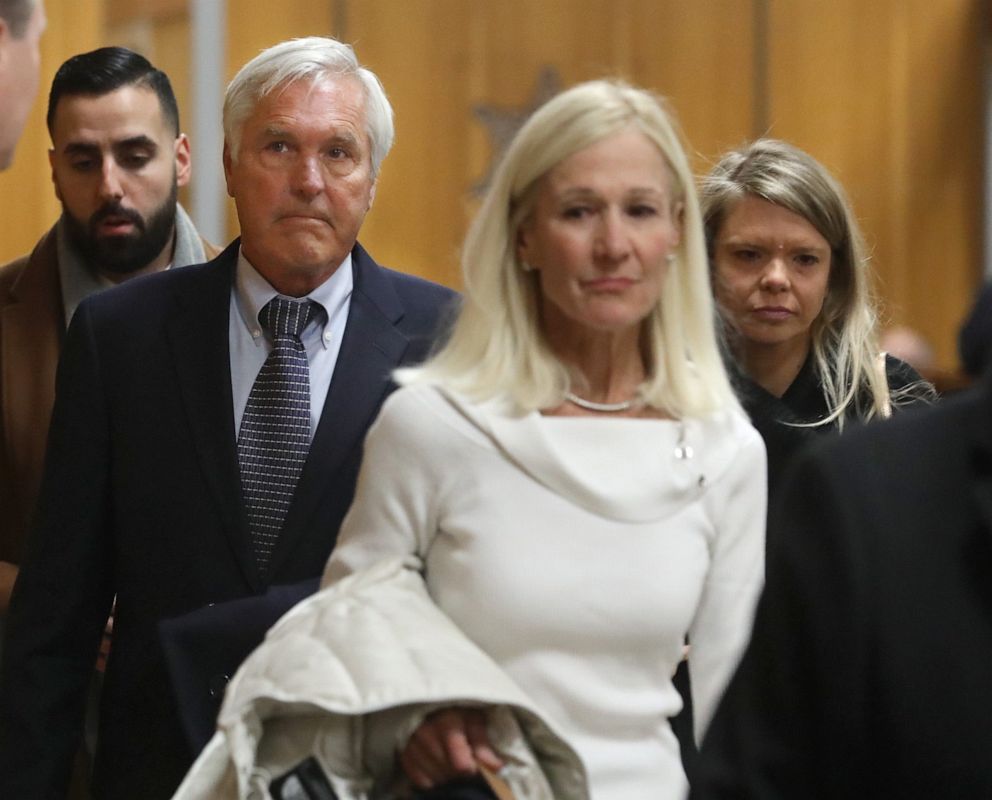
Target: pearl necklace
<point>589,405</point>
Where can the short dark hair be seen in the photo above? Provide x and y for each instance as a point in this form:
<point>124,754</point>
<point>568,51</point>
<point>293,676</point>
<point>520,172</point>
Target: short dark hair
<point>105,70</point>
<point>17,14</point>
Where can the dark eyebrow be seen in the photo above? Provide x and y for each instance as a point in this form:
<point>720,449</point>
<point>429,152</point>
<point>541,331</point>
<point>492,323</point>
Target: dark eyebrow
<point>80,149</point>
<point>344,138</point>
<point>88,149</point>
<point>737,240</point>
<point>762,243</point>
<point>136,141</point>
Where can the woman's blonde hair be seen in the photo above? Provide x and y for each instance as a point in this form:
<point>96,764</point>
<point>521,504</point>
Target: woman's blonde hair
<point>844,336</point>
<point>496,347</point>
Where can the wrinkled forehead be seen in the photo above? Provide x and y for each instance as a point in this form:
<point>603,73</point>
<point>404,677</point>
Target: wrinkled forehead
<point>342,89</point>
<point>323,97</point>
<point>330,107</point>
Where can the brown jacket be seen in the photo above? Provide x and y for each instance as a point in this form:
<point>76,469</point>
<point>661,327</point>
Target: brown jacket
<point>32,326</point>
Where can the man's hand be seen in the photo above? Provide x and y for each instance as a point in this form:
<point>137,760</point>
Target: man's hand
<point>448,744</point>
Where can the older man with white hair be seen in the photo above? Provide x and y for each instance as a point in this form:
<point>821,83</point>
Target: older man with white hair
<point>208,425</point>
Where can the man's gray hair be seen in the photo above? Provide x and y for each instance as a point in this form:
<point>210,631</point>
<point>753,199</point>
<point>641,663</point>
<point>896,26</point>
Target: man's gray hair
<point>17,14</point>
<point>309,59</point>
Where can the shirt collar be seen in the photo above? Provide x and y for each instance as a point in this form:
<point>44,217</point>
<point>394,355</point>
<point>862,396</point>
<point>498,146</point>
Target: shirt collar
<point>252,292</point>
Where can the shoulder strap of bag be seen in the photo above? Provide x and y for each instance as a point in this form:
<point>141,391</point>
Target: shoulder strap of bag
<point>500,787</point>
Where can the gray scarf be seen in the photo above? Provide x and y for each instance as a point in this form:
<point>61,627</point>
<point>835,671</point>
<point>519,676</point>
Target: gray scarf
<point>79,281</point>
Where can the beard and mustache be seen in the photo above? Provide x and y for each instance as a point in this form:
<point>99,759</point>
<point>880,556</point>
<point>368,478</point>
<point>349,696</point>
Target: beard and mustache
<point>127,253</point>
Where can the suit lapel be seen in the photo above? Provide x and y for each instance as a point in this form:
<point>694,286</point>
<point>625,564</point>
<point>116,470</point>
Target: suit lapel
<point>31,330</point>
<point>200,342</point>
<point>371,349</point>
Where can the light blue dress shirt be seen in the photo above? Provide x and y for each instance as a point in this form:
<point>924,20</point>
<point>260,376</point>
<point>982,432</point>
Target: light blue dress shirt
<point>251,344</point>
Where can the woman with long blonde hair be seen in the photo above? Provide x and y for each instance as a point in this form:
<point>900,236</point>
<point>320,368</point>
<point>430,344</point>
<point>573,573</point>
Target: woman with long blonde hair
<point>791,277</point>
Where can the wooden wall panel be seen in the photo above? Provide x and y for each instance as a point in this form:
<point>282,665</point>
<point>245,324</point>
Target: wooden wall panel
<point>253,26</point>
<point>889,96</point>
<point>441,59</point>
<point>120,12</point>
<point>941,213</point>
<point>701,56</point>
<point>421,194</point>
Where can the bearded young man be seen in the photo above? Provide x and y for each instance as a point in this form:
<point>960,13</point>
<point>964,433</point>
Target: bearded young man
<point>118,159</point>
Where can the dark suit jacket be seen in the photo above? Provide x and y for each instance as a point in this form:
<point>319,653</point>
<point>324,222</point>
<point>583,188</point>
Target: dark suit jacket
<point>141,499</point>
<point>869,673</point>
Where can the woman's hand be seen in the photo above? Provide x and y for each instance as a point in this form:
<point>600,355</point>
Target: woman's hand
<point>449,744</point>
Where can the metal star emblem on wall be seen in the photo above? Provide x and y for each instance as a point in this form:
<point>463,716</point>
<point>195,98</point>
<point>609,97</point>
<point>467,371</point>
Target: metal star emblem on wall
<point>503,123</point>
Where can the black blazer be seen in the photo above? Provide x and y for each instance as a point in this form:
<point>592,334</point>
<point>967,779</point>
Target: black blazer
<point>782,421</point>
<point>141,499</point>
<point>870,669</point>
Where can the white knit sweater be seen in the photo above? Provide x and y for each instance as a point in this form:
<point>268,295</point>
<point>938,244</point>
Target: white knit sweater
<point>578,553</point>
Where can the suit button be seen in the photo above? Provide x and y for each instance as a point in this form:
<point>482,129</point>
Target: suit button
<point>217,685</point>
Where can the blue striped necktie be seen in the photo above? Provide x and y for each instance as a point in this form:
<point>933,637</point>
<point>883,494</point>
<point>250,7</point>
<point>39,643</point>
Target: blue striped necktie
<point>275,429</point>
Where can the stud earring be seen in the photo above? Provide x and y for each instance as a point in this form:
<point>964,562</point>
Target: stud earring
<point>670,258</point>
<point>525,266</point>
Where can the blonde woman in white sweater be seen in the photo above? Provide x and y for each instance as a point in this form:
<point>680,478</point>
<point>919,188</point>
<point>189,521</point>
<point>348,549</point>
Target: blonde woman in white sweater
<point>571,473</point>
